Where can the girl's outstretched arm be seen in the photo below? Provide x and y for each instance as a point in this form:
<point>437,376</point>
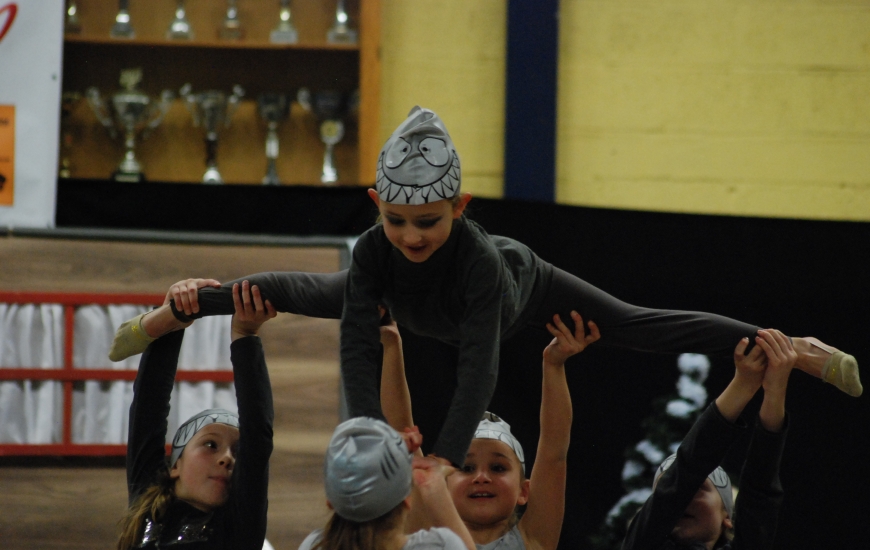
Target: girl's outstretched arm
<point>541,525</point>
<point>395,396</point>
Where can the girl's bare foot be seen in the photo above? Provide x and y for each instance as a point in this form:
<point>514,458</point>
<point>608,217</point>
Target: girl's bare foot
<point>828,363</point>
<point>133,336</point>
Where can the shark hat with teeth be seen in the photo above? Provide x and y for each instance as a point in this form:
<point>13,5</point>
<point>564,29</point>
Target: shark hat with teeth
<point>418,164</point>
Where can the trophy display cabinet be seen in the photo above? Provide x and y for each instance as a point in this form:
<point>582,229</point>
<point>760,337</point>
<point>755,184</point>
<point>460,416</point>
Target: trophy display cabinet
<point>293,84</point>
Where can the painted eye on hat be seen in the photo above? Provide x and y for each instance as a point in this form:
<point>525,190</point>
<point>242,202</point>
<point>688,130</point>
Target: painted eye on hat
<point>397,153</point>
<point>435,151</point>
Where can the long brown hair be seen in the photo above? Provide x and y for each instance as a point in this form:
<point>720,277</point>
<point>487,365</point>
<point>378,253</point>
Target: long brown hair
<point>151,503</point>
<point>343,534</point>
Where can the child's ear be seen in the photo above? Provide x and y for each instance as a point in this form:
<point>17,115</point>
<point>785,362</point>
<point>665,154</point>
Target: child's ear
<point>524,492</point>
<point>174,473</point>
<point>375,198</point>
<point>459,208</point>
<point>727,523</point>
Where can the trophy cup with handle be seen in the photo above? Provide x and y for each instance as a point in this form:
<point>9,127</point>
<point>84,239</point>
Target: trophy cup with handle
<point>340,31</point>
<point>330,107</point>
<point>285,32</point>
<point>212,110</point>
<point>180,29</point>
<point>273,108</point>
<point>122,28</point>
<point>133,112</point>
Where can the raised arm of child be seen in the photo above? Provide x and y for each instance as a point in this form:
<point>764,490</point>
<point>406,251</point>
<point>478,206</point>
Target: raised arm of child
<point>760,497</point>
<point>395,396</point>
<point>698,455</point>
<point>541,524</point>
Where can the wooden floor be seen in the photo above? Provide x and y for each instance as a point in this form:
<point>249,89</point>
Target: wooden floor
<point>76,503</point>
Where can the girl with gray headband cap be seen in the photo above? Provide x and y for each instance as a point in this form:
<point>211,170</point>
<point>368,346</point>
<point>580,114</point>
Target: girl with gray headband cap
<point>491,486</point>
<point>369,471</point>
<point>211,492</point>
<point>442,276</point>
<point>692,505</point>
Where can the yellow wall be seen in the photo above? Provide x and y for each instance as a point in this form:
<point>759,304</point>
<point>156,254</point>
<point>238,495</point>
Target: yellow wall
<point>746,107</point>
<point>449,56</point>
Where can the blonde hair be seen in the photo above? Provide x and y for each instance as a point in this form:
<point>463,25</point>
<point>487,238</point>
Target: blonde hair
<point>152,503</point>
<point>344,534</point>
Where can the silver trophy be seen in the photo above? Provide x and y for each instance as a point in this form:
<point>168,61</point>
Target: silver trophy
<point>68,103</point>
<point>133,112</point>
<point>330,107</point>
<point>285,32</point>
<point>212,110</point>
<point>71,22</point>
<point>340,32</point>
<point>122,27</point>
<point>273,108</point>
<point>180,29</point>
<point>231,29</point>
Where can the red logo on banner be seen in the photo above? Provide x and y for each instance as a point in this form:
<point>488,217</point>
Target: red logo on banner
<point>12,9</point>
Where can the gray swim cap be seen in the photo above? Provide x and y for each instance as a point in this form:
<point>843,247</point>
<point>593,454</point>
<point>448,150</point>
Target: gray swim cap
<point>418,164</point>
<point>719,478</point>
<point>186,431</point>
<point>367,469</point>
<point>493,427</point>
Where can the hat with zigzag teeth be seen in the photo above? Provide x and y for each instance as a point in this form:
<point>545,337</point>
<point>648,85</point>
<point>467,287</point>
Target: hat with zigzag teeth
<point>186,431</point>
<point>418,164</point>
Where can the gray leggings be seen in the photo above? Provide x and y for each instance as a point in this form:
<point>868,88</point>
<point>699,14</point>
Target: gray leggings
<point>622,325</point>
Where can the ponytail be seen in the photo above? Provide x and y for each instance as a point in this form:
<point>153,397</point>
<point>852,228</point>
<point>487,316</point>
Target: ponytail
<point>152,503</point>
<point>343,534</point>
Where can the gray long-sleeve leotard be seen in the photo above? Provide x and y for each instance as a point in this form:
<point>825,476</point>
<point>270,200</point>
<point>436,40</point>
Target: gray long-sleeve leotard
<point>473,292</point>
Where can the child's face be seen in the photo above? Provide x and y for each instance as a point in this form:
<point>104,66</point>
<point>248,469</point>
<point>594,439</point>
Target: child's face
<point>489,487</point>
<point>704,519</point>
<point>419,230</point>
<point>204,470</point>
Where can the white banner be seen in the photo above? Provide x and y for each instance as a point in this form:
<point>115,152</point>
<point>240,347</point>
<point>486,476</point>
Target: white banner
<point>31,46</point>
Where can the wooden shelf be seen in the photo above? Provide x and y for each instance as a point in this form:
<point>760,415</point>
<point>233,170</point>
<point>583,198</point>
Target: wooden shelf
<point>175,150</point>
<point>218,44</point>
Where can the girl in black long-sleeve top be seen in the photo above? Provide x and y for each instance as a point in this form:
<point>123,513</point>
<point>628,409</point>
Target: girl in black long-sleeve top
<point>212,493</point>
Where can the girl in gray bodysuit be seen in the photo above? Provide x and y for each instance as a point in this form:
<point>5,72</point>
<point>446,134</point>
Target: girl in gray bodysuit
<point>442,276</point>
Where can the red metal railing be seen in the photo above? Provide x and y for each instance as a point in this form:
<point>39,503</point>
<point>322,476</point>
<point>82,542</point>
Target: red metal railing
<point>68,375</point>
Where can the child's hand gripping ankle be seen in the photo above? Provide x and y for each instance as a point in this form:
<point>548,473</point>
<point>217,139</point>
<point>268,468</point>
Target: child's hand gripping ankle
<point>748,374</point>
<point>251,311</point>
<point>781,358</point>
<point>134,335</point>
<point>565,344</point>
<point>185,294</point>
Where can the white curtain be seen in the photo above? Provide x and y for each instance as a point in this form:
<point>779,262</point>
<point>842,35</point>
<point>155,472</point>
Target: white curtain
<point>31,336</point>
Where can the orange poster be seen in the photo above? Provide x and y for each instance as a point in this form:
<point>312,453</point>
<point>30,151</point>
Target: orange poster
<point>7,155</point>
